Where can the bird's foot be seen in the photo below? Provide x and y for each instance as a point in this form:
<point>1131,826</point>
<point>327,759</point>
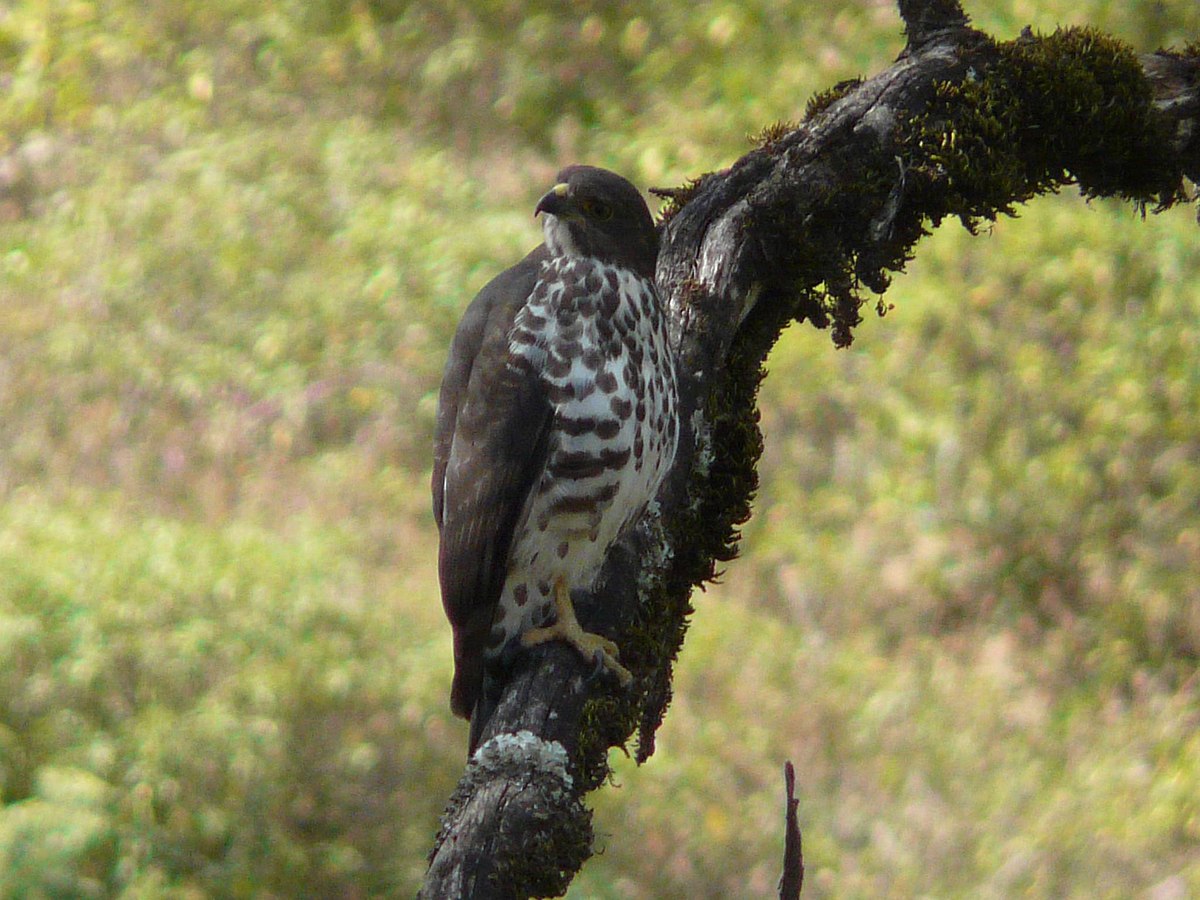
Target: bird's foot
<point>593,647</point>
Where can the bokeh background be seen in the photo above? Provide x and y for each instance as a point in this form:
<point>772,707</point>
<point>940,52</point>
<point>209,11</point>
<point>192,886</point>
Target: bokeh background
<point>235,238</point>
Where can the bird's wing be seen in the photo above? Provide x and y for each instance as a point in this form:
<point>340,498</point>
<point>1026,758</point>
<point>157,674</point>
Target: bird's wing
<point>490,448</point>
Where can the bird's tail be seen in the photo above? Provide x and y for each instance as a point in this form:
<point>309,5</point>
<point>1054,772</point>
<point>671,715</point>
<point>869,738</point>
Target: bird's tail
<point>485,707</point>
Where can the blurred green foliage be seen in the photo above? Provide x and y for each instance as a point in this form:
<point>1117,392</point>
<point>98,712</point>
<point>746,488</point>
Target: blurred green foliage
<point>196,710</point>
<point>234,240</point>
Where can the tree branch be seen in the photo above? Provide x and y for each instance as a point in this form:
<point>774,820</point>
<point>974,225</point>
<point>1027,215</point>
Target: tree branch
<point>958,126</point>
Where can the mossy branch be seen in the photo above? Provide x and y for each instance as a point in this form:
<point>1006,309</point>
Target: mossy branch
<point>959,125</point>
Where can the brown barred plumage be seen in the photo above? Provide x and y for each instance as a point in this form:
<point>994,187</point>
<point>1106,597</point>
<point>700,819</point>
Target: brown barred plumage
<point>557,422</point>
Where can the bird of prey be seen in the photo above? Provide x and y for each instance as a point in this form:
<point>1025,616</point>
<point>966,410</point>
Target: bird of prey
<point>556,423</point>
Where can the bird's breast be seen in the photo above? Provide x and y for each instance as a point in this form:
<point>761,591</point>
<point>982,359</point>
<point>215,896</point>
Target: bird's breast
<point>596,334</point>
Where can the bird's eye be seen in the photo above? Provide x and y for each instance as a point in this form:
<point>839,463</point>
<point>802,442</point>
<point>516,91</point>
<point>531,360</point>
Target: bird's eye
<point>598,210</point>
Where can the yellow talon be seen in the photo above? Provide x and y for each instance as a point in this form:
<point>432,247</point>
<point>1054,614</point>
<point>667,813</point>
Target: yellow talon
<point>566,627</point>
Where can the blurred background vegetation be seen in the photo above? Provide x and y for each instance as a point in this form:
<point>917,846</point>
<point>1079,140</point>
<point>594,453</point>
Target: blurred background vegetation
<point>234,241</point>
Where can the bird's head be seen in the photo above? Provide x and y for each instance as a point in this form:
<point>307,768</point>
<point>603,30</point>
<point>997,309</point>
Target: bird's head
<point>594,212</point>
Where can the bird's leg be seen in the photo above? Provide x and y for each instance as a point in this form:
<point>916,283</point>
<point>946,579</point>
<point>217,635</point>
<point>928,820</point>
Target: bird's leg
<point>566,627</point>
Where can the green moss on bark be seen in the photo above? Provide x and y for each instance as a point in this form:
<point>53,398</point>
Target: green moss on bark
<point>1073,106</point>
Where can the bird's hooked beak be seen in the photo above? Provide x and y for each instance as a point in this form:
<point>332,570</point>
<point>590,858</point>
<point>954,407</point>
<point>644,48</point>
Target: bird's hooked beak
<point>554,201</point>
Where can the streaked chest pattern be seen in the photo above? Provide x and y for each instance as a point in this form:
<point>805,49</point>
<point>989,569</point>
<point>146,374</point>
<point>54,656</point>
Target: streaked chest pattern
<point>596,335</point>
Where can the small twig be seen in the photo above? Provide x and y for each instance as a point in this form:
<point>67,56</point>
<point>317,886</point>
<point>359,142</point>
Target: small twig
<point>792,879</point>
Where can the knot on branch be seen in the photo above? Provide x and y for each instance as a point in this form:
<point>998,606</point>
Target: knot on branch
<point>926,19</point>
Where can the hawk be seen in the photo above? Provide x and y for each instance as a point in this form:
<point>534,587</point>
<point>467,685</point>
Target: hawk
<point>556,423</point>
